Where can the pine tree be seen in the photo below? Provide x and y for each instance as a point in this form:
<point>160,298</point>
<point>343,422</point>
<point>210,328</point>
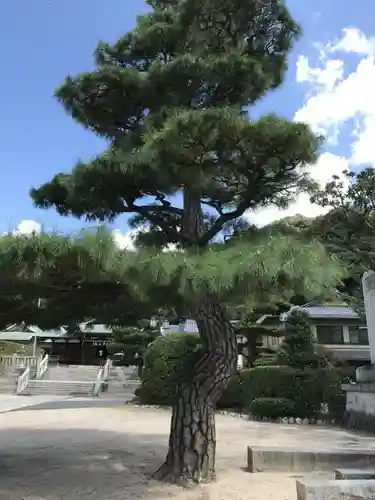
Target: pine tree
<point>297,349</point>
<point>184,160</point>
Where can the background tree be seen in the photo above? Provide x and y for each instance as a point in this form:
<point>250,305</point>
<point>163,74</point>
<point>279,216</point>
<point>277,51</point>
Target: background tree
<point>348,230</point>
<point>132,343</point>
<point>170,98</point>
<point>297,349</point>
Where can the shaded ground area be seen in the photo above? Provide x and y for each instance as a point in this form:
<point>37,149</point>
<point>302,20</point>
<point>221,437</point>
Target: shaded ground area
<point>102,453</point>
<point>10,402</point>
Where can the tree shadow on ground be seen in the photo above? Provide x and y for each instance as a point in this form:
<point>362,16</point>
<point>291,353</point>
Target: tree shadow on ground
<point>78,464</point>
<point>75,403</point>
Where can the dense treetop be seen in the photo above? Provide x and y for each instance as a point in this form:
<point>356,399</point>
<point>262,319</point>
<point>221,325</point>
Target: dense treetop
<point>170,98</point>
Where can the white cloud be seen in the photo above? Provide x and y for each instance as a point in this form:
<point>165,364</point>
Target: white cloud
<point>124,241</point>
<point>27,227</point>
<point>337,94</point>
<point>337,98</point>
<point>355,42</point>
<point>327,165</point>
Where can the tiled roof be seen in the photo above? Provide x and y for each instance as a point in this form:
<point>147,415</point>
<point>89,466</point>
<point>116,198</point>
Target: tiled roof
<point>344,312</point>
<point>35,331</point>
<point>318,312</point>
<point>16,336</point>
<point>95,329</point>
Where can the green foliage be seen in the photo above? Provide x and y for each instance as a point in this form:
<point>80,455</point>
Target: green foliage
<point>169,97</point>
<point>235,395</point>
<point>285,382</point>
<point>169,362</point>
<point>85,276</point>
<point>308,389</point>
<point>77,276</point>
<point>274,408</point>
<point>297,349</point>
<point>348,229</point>
<point>132,343</point>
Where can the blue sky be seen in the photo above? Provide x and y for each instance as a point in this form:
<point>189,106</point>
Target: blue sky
<point>45,41</point>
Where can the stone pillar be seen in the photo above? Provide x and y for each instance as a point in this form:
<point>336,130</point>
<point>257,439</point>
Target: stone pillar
<point>360,396</point>
<point>367,373</point>
<point>368,286</point>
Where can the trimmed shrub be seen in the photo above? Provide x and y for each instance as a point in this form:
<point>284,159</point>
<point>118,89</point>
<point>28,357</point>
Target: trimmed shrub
<point>274,408</point>
<point>235,394</point>
<point>297,349</point>
<point>169,361</point>
<point>307,388</point>
<point>269,382</point>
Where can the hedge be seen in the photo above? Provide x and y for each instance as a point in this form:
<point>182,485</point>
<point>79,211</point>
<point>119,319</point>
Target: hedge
<point>274,408</point>
<point>170,359</point>
<point>308,388</point>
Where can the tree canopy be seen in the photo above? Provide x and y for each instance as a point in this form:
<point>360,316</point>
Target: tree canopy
<point>170,99</point>
<point>348,229</point>
<point>85,276</point>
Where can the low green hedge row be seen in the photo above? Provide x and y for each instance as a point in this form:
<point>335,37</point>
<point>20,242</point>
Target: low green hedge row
<point>285,391</point>
<point>274,408</point>
<point>308,389</point>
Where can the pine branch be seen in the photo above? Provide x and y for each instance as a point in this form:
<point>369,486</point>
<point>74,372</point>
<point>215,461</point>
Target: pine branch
<point>221,221</point>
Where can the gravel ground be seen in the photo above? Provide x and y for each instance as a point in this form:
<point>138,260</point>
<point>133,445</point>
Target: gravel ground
<point>107,453</point>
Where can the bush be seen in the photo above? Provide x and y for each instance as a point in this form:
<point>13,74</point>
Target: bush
<point>235,394</point>
<point>274,408</point>
<point>263,382</point>
<point>307,388</point>
<point>297,349</point>
<point>169,361</point>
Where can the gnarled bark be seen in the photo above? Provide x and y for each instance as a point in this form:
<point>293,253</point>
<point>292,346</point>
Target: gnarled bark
<point>192,441</point>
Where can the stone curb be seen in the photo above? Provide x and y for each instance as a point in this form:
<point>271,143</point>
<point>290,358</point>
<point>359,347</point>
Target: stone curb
<point>285,420</point>
<point>246,416</point>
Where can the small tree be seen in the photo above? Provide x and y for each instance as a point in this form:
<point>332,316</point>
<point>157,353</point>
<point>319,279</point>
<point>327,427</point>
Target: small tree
<point>297,349</point>
<point>253,334</point>
<point>132,343</point>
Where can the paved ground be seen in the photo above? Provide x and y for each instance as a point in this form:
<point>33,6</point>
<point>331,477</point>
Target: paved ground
<point>76,449</point>
<point>9,402</point>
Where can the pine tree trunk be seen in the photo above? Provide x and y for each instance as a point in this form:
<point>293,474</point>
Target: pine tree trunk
<point>192,441</point>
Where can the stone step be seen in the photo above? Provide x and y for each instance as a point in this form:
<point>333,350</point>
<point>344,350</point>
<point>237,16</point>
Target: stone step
<point>58,387</point>
<point>298,459</point>
<point>361,473</point>
<point>320,489</point>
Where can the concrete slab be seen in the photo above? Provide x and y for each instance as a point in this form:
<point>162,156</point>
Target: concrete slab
<point>361,473</point>
<point>347,489</point>
<point>297,459</point>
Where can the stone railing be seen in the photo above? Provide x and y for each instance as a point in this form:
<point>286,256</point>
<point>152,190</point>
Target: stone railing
<point>53,360</point>
<point>17,360</point>
<point>23,380</point>
<point>106,369</point>
<point>97,387</point>
<point>42,366</point>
